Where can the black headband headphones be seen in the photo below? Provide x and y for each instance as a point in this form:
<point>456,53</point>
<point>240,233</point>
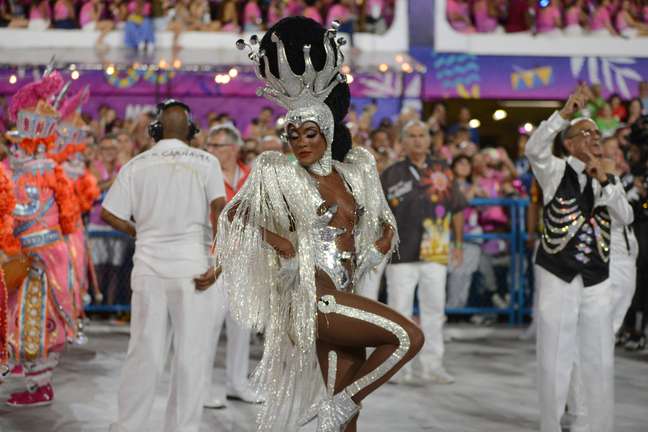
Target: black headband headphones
<point>155,129</point>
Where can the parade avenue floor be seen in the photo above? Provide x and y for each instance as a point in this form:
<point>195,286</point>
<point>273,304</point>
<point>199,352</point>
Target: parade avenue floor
<point>494,392</point>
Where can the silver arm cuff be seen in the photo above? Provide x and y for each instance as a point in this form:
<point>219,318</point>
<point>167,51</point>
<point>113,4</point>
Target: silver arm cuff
<point>367,261</point>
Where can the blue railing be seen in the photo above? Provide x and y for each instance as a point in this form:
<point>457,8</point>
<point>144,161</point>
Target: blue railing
<point>515,237</point>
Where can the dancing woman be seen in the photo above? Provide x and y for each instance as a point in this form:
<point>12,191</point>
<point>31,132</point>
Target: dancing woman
<point>297,238</point>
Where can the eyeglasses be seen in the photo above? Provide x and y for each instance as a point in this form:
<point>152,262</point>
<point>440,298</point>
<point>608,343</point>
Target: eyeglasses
<point>218,145</point>
<point>586,133</point>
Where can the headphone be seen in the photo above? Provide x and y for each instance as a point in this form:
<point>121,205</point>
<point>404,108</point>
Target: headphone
<point>155,129</point>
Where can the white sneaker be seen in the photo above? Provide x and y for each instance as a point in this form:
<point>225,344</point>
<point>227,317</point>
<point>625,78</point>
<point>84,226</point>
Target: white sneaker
<point>245,394</point>
<point>438,375</point>
<point>214,403</point>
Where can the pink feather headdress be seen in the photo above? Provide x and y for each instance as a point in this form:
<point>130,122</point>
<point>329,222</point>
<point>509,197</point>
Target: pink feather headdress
<point>72,104</point>
<point>31,94</point>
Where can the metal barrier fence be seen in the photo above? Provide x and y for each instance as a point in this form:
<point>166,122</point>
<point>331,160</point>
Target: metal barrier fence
<point>112,255</point>
<point>512,237</point>
<point>113,273</point>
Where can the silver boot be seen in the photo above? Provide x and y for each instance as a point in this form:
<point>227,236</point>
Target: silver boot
<point>334,414</point>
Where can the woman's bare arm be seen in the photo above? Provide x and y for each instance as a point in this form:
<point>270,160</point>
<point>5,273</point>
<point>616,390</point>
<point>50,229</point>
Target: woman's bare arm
<point>280,244</point>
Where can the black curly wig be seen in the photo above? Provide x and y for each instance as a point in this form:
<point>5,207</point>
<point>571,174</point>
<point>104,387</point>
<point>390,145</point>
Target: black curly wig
<point>296,32</point>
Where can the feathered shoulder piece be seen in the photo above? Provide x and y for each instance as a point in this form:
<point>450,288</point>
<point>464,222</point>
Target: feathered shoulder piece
<point>29,96</point>
<point>360,156</point>
<point>359,170</point>
<point>270,294</point>
<point>258,204</point>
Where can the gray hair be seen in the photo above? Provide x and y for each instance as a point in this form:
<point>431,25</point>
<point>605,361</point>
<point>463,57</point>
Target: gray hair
<point>574,122</point>
<point>410,124</point>
<point>230,130</point>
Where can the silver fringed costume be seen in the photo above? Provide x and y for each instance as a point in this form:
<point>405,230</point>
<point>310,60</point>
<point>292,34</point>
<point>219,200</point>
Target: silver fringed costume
<point>278,296</point>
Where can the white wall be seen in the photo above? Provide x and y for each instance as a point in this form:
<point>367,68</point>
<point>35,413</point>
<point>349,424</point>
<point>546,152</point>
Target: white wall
<point>22,46</point>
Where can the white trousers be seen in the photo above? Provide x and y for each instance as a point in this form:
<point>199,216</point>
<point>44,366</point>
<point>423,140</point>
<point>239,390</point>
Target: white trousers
<point>574,327</point>
<point>238,344</point>
<point>460,278</point>
<point>623,279</point>
<point>369,286</point>
<point>623,283</point>
<point>402,280</point>
<point>158,307</point>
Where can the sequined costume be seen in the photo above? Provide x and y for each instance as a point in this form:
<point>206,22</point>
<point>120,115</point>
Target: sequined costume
<point>279,296</point>
<point>42,310</point>
<point>7,204</point>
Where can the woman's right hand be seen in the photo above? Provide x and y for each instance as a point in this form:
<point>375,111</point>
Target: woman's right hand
<point>283,247</point>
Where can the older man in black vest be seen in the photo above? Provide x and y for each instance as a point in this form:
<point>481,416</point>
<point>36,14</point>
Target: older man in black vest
<point>575,299</point>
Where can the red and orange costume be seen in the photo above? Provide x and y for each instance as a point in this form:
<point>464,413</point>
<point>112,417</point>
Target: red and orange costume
<point>42,310</point>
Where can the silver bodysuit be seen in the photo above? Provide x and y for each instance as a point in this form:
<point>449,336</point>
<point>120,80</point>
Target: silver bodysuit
<point>328,256</point>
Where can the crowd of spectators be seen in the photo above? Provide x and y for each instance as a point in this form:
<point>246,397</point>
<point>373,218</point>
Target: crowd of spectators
<point>625,18</point>
<point>487,172</point>
<point>140,19</point>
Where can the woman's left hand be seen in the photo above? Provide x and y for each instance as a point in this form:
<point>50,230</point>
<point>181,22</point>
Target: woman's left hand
<point>383,244</point>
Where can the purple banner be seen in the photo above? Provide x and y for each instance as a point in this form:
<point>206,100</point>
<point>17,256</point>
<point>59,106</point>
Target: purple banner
<point>448,76</point>
<point>132,91</point>
<point>497,77</point>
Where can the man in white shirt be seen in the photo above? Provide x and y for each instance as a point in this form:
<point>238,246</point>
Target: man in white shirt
<point>224,142</point>
<point>164,197</point>
<point>575,299</point>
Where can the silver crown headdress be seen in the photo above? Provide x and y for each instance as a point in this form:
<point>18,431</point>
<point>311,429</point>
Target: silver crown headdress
<point>302,95</point>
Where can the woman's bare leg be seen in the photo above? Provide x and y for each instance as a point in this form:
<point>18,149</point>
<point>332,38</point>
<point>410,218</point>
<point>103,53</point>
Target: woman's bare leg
<point>351,321</point>
<point>349,361</point>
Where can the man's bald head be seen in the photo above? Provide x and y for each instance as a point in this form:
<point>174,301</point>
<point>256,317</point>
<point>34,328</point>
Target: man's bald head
<point>175,123</point>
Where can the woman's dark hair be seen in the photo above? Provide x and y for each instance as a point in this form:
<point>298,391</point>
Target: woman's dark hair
<point>295,32</point>
<point>458,159</point>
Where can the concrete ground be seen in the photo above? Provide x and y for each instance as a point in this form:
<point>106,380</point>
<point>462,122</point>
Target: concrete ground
<point>494,392</point>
